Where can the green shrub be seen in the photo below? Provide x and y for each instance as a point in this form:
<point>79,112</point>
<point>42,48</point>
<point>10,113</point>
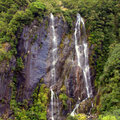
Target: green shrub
<point>108,117</point>
<point>77,117</point>
<point>20,64</point>
<point>81,117</point>
<point>110,86</point>
<point>63,97</point>
<point>116,113</point>
<point>37,110</point>
<point>71,118</point>
<point>36,7</point>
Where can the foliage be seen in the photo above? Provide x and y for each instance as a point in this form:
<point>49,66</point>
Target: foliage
<point>13,17</point>
<point>36,7</point>
<point>71,118</point>
<point>115,114</point>
<point>63,97</point>
<point>37,110</point>
<point>4,50</point>
<point>68,15</point>
<point>63,89</point>
<point>110,85</point>
<point>108,117</point>
<point>81,117</point>
<point>19,63</point>
<point>77,117</point>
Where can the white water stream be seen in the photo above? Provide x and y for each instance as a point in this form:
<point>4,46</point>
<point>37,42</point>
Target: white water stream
<point>81,48</point>
<point>54,60</point>
<point>52,102</point>
<point>54,50</point>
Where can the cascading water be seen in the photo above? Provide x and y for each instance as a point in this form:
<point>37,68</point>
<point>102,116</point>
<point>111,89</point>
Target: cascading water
<point>76,106</point>
<point>81,48</point>
<point>52,102</point>
<point>54,50</point>
<point>54,60</point>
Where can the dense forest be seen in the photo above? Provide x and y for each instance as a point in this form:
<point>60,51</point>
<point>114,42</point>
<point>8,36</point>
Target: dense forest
<point>102,21</point>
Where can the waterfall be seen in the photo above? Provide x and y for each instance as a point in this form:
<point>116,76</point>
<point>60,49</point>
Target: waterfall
<point>81,48</point>
<point>54,60</point>
<point>54,50</point>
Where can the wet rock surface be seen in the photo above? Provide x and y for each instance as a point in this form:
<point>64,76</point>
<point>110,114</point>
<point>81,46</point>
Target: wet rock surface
<point>6,76</point>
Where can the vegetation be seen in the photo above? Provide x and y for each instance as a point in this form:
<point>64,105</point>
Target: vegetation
<point>113,115</point>
<point>37,110</point>
<point>13,17</point>
<point>110,85</point>
<point>63,97</point>
<point>77,117</point>
<point>102,19</point>
<point>71,118</point>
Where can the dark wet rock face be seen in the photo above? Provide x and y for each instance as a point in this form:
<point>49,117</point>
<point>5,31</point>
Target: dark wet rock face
<point>6,76</point>
<point>33,47</point>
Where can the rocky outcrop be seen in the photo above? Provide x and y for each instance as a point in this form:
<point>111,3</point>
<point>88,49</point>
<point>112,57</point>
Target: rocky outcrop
<point>35,49</point>
<point>6,77</point>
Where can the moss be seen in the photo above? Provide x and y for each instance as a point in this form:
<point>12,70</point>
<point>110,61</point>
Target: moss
<point>40,45</point>
<point>4,51</point>
<point>68,19</point>
<point>62,42</point>
<point>46,24</point>
<point>77,117</point>
<point>70,38</point>
<point>35,37</point>
<point>81,116</point>
<point>63,89</point>
<point>63,97</point>
<point>108,117</point>
<point>61,45</point>
<point>20,64</point>
<point>61,55</point>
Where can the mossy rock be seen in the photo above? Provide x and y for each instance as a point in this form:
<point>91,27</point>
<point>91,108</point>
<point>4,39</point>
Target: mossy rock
<point>63,89</point>
<point>77,117</point>
<point>108,117</point>
<point>81,117</point>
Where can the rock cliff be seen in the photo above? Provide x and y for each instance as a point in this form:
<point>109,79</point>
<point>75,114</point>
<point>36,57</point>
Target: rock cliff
<point>35,49</point>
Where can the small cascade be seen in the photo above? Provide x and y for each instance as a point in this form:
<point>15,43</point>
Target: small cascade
<point>76,107</point>
<point>53,70</point>
<point>81,48</point>
<point>73,112</point>
<point>54,50</point>
<point>52,103</point>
